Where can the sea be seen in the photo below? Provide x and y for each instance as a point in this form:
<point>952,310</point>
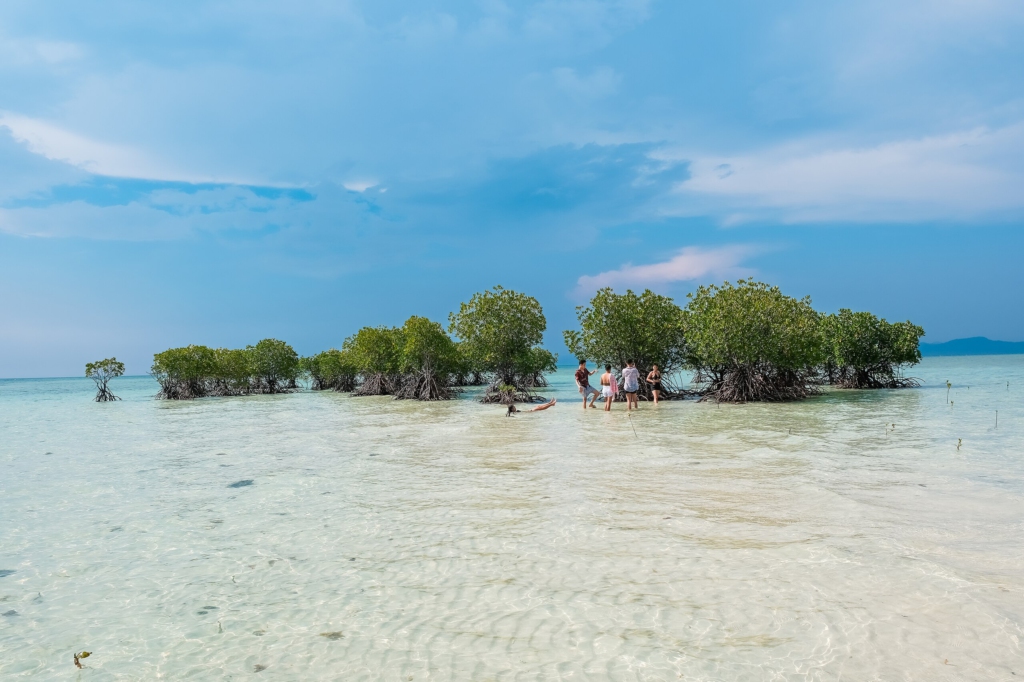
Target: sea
<point>857,535</point>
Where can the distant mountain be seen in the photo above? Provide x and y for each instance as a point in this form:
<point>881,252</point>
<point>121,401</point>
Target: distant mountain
<point>976,345</point>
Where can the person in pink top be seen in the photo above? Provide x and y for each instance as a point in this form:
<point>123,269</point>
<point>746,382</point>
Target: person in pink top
<point>609,387</point>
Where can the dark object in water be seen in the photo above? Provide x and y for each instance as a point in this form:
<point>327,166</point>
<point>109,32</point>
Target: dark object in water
<point>10,613</point>
<point>78,662</point>
<point>241,484</point>
<point>258,668</point>
<point>333,636</point>
<point>6,572</point>
<point>202,613</point>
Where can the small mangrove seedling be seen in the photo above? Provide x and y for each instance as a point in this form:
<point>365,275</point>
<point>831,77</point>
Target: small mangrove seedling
<point>959,442</point>
<point>102,371</point>
<point>948,386</point>
<point>79,656</point>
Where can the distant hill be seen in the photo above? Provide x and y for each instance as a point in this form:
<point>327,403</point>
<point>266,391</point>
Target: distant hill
<point>976,345</point>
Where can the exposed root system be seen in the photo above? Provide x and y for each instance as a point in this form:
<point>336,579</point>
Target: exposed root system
<point>755,384</point>
<point>425,386</point>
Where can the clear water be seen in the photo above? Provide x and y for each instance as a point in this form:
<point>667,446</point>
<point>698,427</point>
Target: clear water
<point>404,541</point>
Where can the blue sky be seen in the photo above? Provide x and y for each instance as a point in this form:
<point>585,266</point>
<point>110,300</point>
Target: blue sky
<point>220,172</point>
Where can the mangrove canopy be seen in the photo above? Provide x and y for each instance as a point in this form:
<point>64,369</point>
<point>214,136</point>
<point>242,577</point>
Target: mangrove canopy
<point>429,361</point>
<point>101,372</point>
<point>749,341</point>
<point>377,354</point>
<point>500,332</point>
<point>331,370</point>
<point>271,366</point>
<point>647,329</point>
<point>863,351</point>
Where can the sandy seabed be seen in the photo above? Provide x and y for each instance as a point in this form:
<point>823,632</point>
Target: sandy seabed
<point>320,537</point>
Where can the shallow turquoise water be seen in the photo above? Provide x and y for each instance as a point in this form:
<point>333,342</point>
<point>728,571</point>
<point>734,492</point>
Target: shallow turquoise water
<point>444,541</point>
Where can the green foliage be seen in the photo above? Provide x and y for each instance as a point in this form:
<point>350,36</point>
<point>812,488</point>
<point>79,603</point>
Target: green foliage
<point>101,372</point>
<point>500,332</point>
<point>331,370</point>
<point>751,342</point>
<point>863,351</point>
<point>428,348</point>
<point>232,372</point>
<point>376,350</point>
<point>271,366</point>
<point>429,359</point>
<point>615,328</point>
<point>377,355</point>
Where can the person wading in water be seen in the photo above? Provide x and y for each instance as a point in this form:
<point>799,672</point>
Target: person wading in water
<point>583,384</point>
<point>654,381</point>
<point>609,387</point>
<point>631,384</point>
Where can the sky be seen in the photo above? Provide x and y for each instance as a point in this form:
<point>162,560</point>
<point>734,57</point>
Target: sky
<point>224,171</point>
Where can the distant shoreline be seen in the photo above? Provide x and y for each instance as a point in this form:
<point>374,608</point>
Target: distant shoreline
<point>975,345</point>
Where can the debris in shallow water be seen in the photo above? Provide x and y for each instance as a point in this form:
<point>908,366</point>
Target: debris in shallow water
<point>241,484</point>
<point>333,636</point>
<point>78,657</point>
<point>259,633</point>
<point>258,668</point>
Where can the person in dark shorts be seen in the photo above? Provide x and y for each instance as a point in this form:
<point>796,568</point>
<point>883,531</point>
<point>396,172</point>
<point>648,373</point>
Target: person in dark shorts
<point>583,384</point>
<point>654,381</point>
<point>631,384</point>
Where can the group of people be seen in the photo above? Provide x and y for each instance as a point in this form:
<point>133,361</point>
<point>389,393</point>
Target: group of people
<point>610,385</point>
<point>609,388</point>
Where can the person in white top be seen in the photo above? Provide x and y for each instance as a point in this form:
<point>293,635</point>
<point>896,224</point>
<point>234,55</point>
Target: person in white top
<point>631,384</point>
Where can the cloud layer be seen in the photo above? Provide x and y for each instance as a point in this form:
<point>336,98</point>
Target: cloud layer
<point>976,174</point>
<point>690,263</point>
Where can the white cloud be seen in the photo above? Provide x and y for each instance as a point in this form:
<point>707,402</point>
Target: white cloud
<point>963,175</point>
<point>690,263</point>
<point>101,158</point>
<point>359,185</point>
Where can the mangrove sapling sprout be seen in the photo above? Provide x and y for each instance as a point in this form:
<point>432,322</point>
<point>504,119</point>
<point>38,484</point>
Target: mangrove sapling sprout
<point>500,332</point>
<point>959,442</point>
<point>948,386</point>
<point>101,372</point>
<point>78,658</point>
<point>647,329</point>
<point>863,351</point>
<point>749,342</point>
<point>377,354</point>
<point>428,359</point>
